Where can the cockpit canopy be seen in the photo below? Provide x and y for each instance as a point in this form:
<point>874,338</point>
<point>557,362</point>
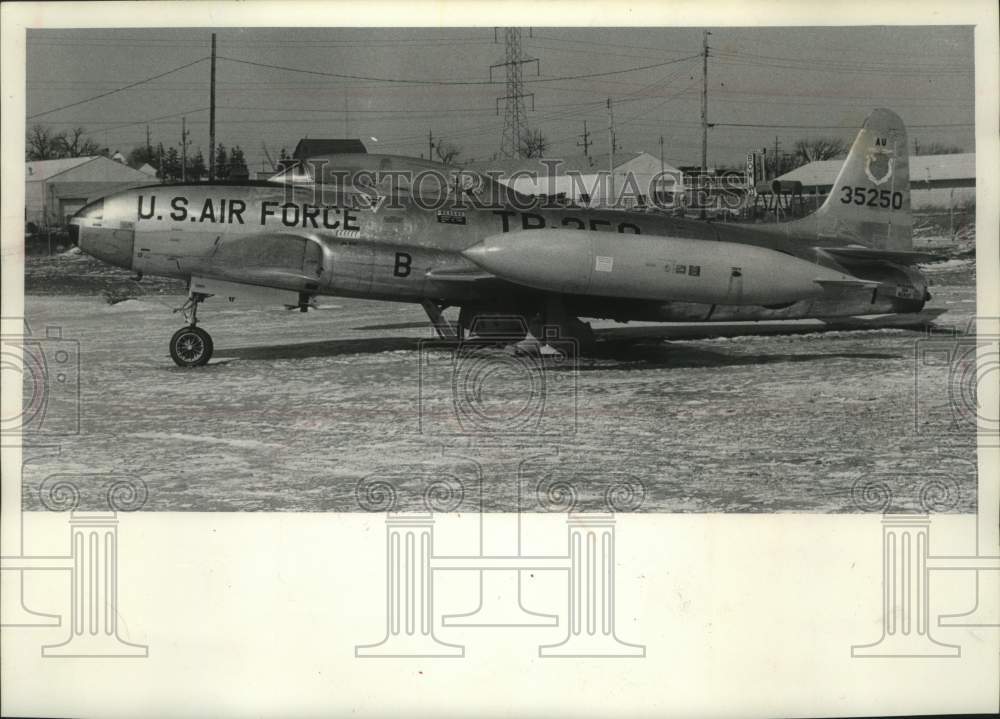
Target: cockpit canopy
<point>92,211</point>
<point>387,174</point>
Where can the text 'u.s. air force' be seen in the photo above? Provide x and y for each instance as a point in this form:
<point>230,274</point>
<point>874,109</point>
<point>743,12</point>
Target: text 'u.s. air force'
<point>233,211</point>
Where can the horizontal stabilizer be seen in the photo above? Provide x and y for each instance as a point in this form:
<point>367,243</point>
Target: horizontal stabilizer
<point>899,257</point>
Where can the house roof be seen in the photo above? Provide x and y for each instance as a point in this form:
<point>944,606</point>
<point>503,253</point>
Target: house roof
<point>312,148</point>
<point>943,167</point>
<point>580,164</point>
<point>36,170</point>
<point>922,168</point>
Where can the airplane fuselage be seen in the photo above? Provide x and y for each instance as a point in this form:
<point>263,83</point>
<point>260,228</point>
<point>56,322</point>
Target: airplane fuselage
<point>343,243</point>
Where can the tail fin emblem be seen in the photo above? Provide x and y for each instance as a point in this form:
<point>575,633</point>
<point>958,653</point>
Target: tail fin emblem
<point>878,165</point>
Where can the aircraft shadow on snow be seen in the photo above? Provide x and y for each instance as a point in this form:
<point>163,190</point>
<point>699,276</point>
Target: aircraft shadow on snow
<point>606,356</point>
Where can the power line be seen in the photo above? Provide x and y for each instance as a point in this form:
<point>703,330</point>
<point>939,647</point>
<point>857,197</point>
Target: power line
<point>827,127</point>
<point>743,61</point>
<point>658,105</point>
<point>879,67</point>
<point>150,120</point>
<point>120,89</point>
<point>115,125</point>
<point>592,52</point>
<point>605,44</point>
<point>344,76</point>
<point>613,72</point>
<point>407,81</point>
<point>121,41</point>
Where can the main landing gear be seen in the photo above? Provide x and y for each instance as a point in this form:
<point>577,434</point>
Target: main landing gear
<point>545,330</point>
<point>191,346</point>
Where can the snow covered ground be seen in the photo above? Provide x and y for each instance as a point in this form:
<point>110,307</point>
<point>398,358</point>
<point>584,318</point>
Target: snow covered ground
<point>296,409</point>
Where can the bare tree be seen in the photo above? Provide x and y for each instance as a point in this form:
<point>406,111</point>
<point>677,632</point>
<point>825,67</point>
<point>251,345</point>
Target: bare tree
<point>447,152</point>
<point>42,144</point>
<point>534,145</point>
<point>75,143</point>
<point>818,148</point>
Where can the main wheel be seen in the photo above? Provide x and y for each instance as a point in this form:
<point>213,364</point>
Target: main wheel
<point>191,347</point>
<point>493,325</point>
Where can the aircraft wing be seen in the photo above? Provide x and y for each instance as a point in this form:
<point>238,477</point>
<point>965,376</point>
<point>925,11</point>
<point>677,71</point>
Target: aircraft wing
<point>639,331</point>
<point>899,257</point>
<point>460,274</point>
<point>852,283</point>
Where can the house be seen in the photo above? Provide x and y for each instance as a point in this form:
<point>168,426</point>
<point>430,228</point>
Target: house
<point>56,189</point>
<point>146,169</point>
<point>584,180</point>
<point>935,180</point>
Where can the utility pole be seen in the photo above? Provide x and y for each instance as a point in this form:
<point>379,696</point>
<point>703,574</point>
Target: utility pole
<point>611,153</point>
<point>704,110</point>
<point>211,118</point>
<point>777,159</point>
<point>916,146</point>
<point>586,140</point>
<point>430,145</point>
<point>149,147</point>
<point>184,149</point>
<point>659,182</point>
<point>704,102</point>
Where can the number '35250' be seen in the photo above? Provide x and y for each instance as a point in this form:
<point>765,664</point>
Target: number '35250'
<point>870,197</point>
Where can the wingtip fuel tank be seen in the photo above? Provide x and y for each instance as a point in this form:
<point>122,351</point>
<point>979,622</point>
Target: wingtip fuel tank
<point>653,267</point>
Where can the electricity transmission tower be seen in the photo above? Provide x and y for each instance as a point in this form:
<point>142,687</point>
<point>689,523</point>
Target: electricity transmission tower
<point>515,121</point>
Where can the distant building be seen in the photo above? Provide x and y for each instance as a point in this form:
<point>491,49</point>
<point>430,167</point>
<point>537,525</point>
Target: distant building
<point>935,180</point>
<point>313,148</point>
<point>146,169</point>
<point>583,180</point>
<point>56,189</point>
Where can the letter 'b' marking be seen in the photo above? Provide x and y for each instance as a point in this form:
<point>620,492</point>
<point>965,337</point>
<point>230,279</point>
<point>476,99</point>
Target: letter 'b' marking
<point>402,267</point>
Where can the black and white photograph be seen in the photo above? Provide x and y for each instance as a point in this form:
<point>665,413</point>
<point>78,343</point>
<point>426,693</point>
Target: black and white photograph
<point>534,338</point>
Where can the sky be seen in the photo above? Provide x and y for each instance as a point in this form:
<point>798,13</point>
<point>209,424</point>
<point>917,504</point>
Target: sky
<point>789,83</point>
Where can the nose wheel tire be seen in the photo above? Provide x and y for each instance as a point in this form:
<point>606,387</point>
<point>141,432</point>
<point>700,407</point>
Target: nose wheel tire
<point>191,347</point>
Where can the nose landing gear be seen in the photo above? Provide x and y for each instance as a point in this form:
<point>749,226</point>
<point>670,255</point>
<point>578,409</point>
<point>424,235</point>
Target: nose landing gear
<point>191,346</point>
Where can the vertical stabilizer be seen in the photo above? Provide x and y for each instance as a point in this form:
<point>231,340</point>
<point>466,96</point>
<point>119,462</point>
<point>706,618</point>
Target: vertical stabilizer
<point>869,203</point>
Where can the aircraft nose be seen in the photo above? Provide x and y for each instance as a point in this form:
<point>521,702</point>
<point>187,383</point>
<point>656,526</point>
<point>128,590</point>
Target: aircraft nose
<point>113,246</point>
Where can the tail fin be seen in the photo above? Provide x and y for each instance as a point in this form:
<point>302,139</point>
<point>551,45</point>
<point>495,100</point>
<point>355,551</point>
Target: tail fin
<point>869,203</point>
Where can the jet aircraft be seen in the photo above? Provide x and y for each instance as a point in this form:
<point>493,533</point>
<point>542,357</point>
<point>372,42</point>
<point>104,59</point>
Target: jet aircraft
<point>302,237</point>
